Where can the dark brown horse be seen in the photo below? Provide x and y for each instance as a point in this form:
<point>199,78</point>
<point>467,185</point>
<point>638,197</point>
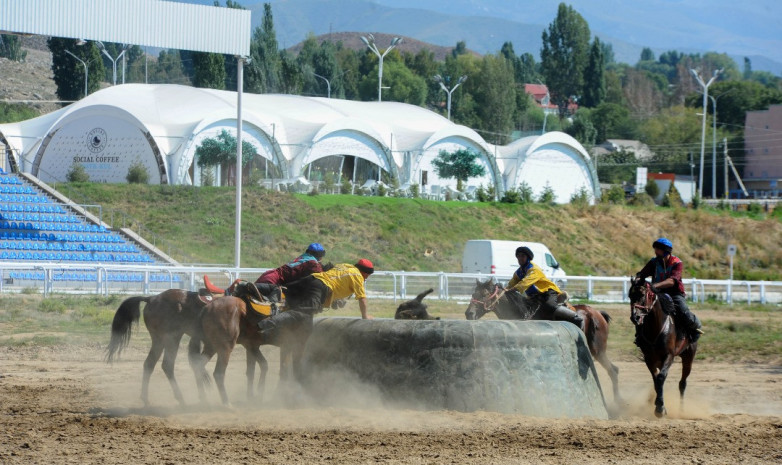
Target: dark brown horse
<point>658,338</point>
<point>490,297</point>
<point>168,316</point>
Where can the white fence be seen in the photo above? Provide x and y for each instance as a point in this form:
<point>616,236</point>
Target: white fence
<point>397,285</point>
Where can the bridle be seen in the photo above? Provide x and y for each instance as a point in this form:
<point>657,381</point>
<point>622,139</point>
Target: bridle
<point>487,304</point>
<point>641,308</point>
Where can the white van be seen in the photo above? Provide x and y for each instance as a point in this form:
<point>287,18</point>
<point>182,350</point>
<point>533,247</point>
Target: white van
<point>499,258</point>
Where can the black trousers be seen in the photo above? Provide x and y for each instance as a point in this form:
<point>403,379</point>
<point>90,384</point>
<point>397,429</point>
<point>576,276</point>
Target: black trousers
<point>303,299</point>
<point>683,312</point>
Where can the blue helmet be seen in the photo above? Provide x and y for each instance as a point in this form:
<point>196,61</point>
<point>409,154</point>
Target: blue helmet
<point>663,244</point>
<point>316,250</point>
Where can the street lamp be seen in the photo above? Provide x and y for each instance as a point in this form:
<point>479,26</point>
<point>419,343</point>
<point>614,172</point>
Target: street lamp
<point>328,84</point>
<point>705,86</point>
<point>86,70</point>
<point>448,91</point>
<point>370,43</point>
<point>113,60</point>
<point>714,142</point>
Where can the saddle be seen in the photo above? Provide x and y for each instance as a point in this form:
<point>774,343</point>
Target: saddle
<point>261,303</point>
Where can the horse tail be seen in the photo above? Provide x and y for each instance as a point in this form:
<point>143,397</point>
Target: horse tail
<point>121,327</point>
<point>606,316</point>
<point>591,330</point>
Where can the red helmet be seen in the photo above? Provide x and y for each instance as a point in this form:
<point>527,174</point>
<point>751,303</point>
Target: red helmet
<point>366,266</point>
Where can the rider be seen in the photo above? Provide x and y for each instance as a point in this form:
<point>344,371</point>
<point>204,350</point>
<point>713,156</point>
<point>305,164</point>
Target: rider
<point>530,280</point>
<point>268,283</point>
<point>309,295</point>
<point>666,272</point>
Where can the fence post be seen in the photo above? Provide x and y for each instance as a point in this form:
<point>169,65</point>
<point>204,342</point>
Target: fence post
<point>762,292</point>
<point>625,291</point>
<point>589,287</point>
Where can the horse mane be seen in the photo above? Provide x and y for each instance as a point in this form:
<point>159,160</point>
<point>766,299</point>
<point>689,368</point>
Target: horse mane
<point>519,303</point>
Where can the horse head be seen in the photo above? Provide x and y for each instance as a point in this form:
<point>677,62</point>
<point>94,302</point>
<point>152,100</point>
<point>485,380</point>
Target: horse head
<point>415,309</point>
<point>640,302</point>
<point>481,300</point>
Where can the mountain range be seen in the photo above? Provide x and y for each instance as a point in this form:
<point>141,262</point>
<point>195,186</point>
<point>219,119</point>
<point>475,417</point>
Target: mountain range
<point>739,29</point>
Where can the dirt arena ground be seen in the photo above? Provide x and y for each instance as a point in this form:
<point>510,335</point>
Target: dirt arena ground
<point>65,405</point>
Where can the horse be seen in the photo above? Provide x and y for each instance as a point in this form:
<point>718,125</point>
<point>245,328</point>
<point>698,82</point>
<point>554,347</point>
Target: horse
<point>489,297</point>
<point>228,321</point>
<point>168,316</point>
<point>659,339</point>
<point>414,309</point>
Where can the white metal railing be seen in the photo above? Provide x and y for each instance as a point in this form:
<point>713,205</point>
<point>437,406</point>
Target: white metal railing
<point>147,279</point>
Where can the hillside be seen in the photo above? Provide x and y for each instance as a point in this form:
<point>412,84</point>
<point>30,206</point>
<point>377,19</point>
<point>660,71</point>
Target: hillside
<point>414,234</point>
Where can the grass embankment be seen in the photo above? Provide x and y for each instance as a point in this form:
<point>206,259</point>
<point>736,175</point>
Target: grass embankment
<point>738,333</point>
<point>422,235</point>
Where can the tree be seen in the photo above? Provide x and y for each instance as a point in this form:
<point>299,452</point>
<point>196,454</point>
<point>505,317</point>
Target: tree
<point>612,121</point>
<point>11,47</point>
<point>69,72</point>
<point>459,164</point>
<point>652,189</point>
<point>564,56</point>
<point>736,99</point>
<point>582,129</point>
<point>617,167</point>
<point>13,112</point>
<point>263,74</point>
<point>547,196</point>
<point>404,86</point>
<point>460,49</point>
<point>168,69</point>
<point>222,149</point>
<point>672,135</point>
<point>647,54</point>
<point>495,97</point>
<point>594,77</point>
<point>208,70</point>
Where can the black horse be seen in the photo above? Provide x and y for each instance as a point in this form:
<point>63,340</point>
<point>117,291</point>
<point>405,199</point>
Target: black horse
<point>659,339</point>
<point>490,297</point>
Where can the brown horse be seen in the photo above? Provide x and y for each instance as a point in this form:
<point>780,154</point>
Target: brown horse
<point>489,297</point>
<point>227,321</point>
<point>658,338</point>
<point>168,316</point>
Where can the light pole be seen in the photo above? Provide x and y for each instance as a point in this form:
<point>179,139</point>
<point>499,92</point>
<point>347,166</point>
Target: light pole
<point>113,60</point>
<point>448,91</point>
<point>86,70</point>
<point>370,43</point>
<point>705,86</point>
<point>328,84</point>
<point>714,143</point>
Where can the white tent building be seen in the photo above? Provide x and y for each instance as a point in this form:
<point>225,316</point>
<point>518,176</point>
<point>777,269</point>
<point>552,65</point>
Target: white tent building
<point>161,126</point>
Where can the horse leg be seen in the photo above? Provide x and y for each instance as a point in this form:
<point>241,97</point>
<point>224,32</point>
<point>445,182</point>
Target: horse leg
<point>659,381</point>
<point>169,358</point>
<point>250,370</point>
<point>687,358</point>
<point>198,364</point>
<point>149,365</point>
<point>219,373</point>
<point>613,372</point>
<point>264,366</point>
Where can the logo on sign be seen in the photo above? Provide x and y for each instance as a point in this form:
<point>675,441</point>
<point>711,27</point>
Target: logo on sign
<point>96,140</point>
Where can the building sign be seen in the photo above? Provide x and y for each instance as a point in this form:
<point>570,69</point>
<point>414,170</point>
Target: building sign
<point>641,174</point>
<point>105,147</point>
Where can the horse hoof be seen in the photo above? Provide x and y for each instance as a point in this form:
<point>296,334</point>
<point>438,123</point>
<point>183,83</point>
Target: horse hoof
<point>660,412</point>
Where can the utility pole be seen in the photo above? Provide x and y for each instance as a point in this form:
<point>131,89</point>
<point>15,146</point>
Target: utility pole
<point>692,177</point>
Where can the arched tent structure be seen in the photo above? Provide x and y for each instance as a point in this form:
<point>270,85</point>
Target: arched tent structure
<point>161,126</point>
<point>554,159</point>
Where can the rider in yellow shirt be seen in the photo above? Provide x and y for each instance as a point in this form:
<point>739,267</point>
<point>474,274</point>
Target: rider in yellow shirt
<point>530,281</point>
<point>307,296</point>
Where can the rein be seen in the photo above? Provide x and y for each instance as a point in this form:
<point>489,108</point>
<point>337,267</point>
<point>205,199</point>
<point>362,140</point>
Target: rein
<point>497,294</point>
<point>649,301</point>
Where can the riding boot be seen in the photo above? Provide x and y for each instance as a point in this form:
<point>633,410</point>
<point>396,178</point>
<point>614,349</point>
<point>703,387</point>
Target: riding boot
<point>694,326</point>
<point>566,314</point>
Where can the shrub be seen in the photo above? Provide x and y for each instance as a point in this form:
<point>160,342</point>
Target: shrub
<point>511,196</point>
<point>314,191</point>
<point>525,192</point>
<point>581,197</point>
<point>672,198</point>
<point>652,189</point>
<point>345,187</point>
<point>481,195</point>
<point>415,191</point>
<point>51,306</point>
<point>615,195</point>
<point>137,174</point>
<point>207,177</point>
<point>77,173</point>
<point>548,196</point>
<point>642,199</point>
<point>382,190</point>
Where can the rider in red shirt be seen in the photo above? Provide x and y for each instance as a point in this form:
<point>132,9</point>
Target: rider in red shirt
<point>665,270</point>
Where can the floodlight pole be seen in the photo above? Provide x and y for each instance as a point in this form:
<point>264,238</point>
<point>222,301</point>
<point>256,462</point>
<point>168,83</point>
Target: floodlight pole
<point>328,84</point>
<point>370,43</point>
<point>705,87</point>
<point>113,61</point>
<point>448,91</point>
<point>86,70</point>
<point>238,177</point>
